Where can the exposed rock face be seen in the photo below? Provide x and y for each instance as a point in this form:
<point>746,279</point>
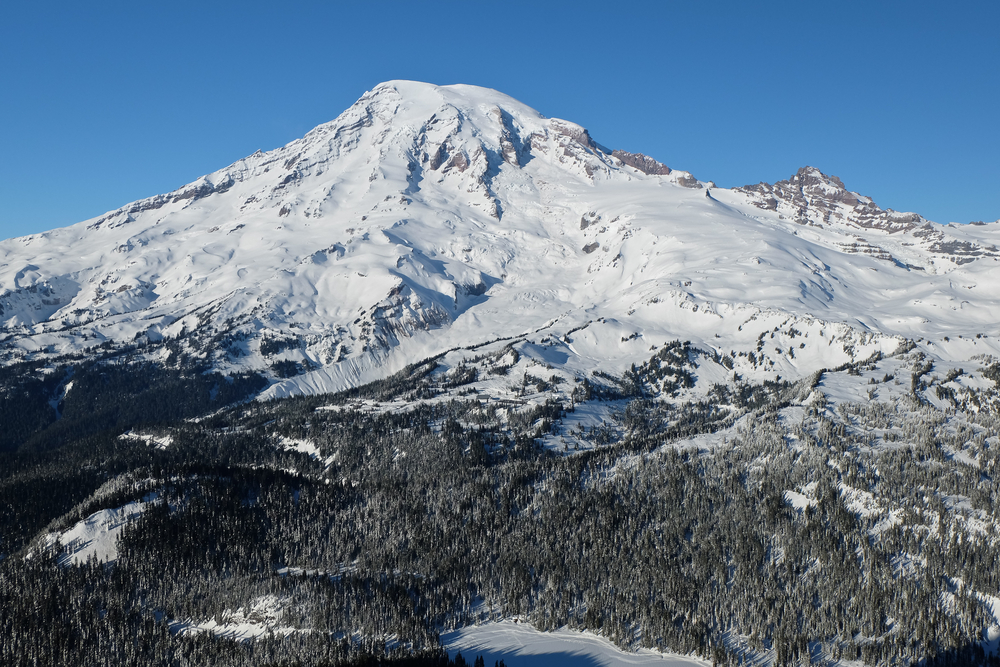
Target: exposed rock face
<point>588,219</point>
<point>958,251</point>
<point>686,180</point>
<point>811,197</point>
<point>643,163</point>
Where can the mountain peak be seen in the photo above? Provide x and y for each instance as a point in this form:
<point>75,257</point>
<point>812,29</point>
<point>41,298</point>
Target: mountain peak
<point>811,197</point>
<point>811,176</point>
<point>461,135</point>
<point>425,217</point>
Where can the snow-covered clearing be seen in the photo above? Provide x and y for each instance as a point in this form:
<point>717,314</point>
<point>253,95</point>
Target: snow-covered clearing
<point>250,622</point>
<point>302,446</point>
<point>97,535</point>
<point>158,441</point>
<point>798,500</point>
<point>521,645</point>
<point>992,633</point>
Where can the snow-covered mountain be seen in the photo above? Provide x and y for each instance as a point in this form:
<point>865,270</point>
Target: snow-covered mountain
<point>427,217</point>
<point>757,425</point>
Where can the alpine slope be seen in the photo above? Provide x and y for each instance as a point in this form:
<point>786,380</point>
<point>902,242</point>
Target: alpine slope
<point>432,218</point>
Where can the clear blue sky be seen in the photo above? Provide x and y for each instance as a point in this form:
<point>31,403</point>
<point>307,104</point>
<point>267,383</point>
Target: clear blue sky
<point>103,103</point>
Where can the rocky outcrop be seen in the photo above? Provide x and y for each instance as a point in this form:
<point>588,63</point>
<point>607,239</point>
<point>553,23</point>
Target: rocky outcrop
<point>811,197</point>
<point>958,251</point>
<point>643,163</point>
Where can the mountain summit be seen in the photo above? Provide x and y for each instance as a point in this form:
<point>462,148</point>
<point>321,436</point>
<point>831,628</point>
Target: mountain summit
<point>427,217</point>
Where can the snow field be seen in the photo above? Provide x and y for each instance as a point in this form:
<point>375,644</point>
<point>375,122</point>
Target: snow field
<point>522,645</point>
<point>97,535</point>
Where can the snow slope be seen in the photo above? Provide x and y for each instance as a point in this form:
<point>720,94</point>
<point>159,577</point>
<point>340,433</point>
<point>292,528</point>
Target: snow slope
<point>430,217</point>
<point>97,535</point>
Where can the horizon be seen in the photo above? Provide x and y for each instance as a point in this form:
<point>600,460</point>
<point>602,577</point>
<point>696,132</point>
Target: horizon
<point>138,101</point>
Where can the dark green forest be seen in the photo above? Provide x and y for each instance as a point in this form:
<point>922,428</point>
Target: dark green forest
<point>410,522</point>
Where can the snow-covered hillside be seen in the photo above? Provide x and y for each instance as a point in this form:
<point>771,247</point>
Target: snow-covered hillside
<point>426,218</point>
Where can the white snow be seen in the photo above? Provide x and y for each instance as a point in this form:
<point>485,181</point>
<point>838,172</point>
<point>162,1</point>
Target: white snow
<point>258,618</point>
<point>991,634</point>
<point>157,441</point>
<point>862,503</point>
<point>97,535</point>
<point>425,218</point>
<point>521,645</point>
<point>798,500</point>
<point>303,446</point>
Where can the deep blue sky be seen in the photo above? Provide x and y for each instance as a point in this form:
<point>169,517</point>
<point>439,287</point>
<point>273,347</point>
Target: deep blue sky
<point>102,103</point>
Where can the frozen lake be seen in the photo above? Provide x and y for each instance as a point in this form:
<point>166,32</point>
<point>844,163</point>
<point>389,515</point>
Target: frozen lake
<point>521,645</point>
